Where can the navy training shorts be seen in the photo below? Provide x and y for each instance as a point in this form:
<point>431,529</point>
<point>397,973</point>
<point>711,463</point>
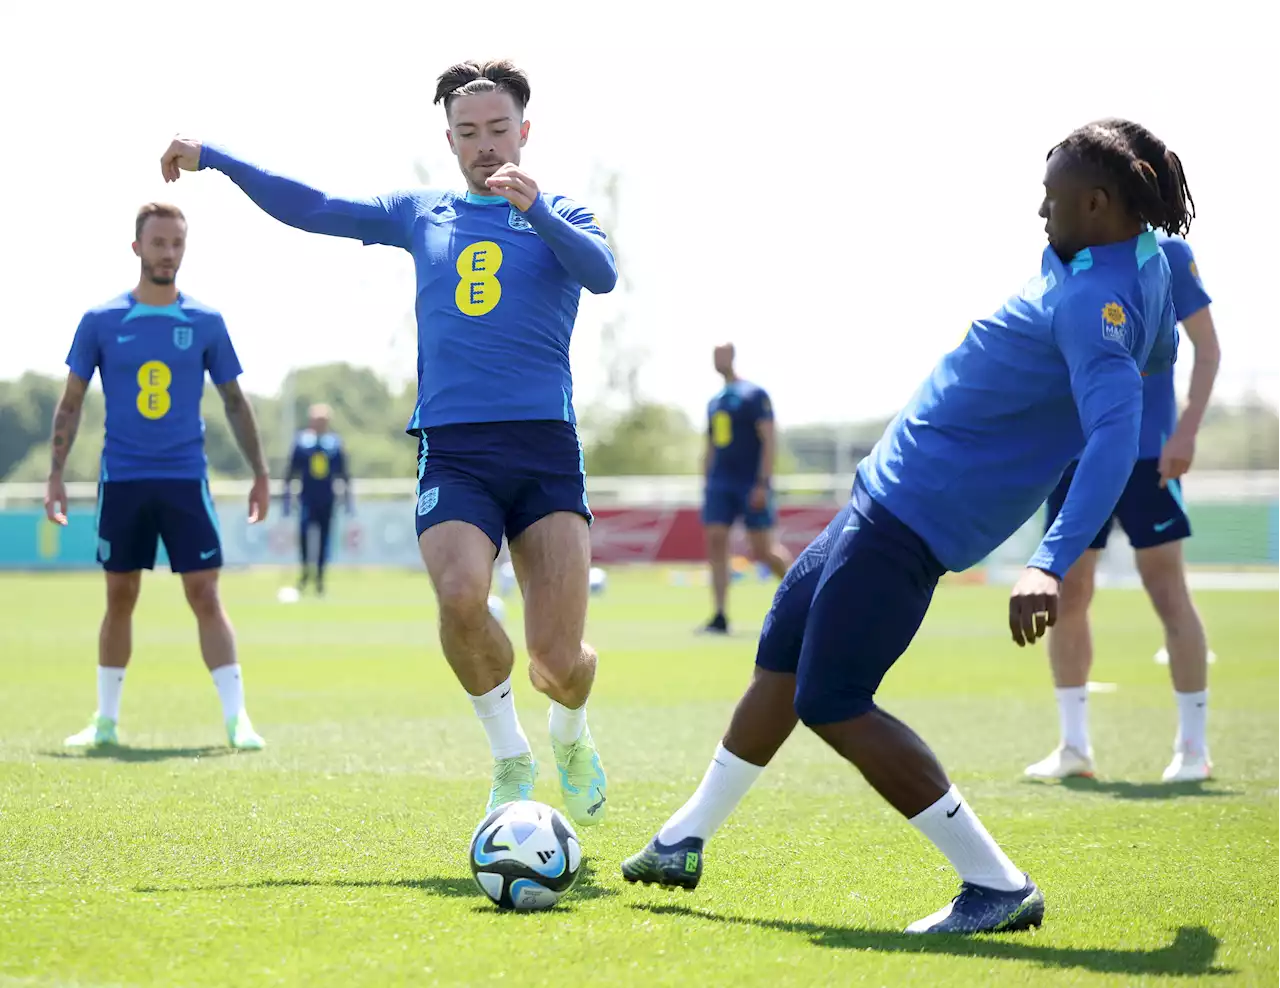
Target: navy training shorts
<point>499,476</point>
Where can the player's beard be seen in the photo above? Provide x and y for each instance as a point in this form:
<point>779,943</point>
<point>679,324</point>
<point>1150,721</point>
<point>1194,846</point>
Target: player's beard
<point>150,274</point>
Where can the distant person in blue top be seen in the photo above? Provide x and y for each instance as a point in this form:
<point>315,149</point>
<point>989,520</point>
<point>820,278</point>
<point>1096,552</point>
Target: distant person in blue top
<point>317,460</point>
<point>738,471</point>
<point>1153,516</point>
<point>985,439</point>
<point>153,347</point>
<point>500,270</point>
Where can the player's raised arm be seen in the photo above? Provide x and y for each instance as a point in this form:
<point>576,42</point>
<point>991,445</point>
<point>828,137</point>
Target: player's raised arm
<point>1093,332</point>
<point>374,221</point>
<point>569,230</point>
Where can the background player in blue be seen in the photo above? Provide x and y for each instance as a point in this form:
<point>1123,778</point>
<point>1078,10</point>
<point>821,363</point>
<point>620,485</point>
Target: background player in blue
<point>738,471</point>
<point>1152,514</point>
<point>153,347</point>
<point>317,459</point>
<point>500,270</point>
<point>973,456</point>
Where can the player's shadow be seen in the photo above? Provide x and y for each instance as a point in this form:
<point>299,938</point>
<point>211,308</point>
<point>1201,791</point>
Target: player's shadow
<point>1119,789</point>
<point>451,887</point>
<point>1190,955</point>
<point>123,753</point>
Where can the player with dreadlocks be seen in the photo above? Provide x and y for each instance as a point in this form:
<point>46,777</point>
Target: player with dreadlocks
<point>1150,509</point>
<point>1054,375</point>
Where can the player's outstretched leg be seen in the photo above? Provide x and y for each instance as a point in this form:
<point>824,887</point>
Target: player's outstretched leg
<point>871,598</point>
<point>115,645</point>
<point>1070,659</point>
<point>552,559</point>
<point>459,559</point>
<point>218,646</point>
<point>762,722</point>
<point>1164,578</point>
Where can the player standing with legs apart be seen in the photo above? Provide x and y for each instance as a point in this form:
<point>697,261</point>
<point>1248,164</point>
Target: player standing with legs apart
<point>317,459</point>
<point>970,459</point>
<point>153,347</point>
<point>1155,519</point>
<point>500,269</point>
<point>738,470</point>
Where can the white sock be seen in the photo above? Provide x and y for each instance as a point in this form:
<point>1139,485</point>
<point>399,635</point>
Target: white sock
<point>960,835</point>
<point>1193,711</point>
<point>110,683</point>
<point>1073,715</point>
<point>230,689</point>
<point>497,712</point>
<point>565,723</point>
<point>727,780</point>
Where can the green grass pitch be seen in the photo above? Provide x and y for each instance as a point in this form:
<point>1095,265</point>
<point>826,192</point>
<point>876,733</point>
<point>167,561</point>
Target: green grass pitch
<point>338,855</point>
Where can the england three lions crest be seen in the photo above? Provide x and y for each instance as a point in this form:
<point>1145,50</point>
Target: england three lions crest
<point>183,337</point>
<point>516,220</point>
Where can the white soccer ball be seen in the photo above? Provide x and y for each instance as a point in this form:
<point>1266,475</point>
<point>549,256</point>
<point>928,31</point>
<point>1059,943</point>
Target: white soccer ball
<point>598,579</point>
<point>1162,657</point>
<point>498,609</point>
<point>287,595</point>
<point>525,855</point>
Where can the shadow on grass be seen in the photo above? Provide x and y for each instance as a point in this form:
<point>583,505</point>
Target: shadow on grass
<point>124,753</point>
<point>1190,955</point>
<point>447,887</point>
<point>1120,789</point>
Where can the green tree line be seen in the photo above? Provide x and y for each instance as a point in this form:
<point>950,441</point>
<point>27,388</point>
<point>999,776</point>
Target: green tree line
<point>645,437</point>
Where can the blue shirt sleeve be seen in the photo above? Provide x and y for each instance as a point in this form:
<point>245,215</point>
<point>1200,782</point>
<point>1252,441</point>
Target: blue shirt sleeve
<point>764,407</point>
<point>220,357</point>
<point>380,220</point>
<point>577,240</point>
<point>82,359</point>
<point>1189,296</point>
<point>1096,335</point>
<point>340,463</point>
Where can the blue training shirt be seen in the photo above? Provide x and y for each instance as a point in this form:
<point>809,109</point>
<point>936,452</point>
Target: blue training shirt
<point>733,418</point>
<point>988,434</point>
<point>153,360</point>
<point>497,288</point>
<point>1159,401</point>
<point>318,460</point>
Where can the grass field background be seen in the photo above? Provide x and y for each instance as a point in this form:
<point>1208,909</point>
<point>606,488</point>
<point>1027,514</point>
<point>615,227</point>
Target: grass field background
<point>338,855</point>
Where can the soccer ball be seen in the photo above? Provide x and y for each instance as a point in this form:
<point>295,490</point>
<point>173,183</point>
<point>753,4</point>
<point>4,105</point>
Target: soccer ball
<point>525,855</point>
<point>597,579</point>
<point>498,609</point>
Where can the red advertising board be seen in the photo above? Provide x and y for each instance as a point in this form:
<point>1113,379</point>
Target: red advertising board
<point>646,535</point>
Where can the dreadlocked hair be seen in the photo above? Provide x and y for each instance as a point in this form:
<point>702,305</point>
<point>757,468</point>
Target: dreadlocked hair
<point>469,78</point>
<point>1148,176</point>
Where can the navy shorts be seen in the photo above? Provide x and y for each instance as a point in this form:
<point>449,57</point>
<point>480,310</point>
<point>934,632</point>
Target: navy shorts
<point>499,476</point>
<point>1150,515</point>
<point>133,515</point>
<point>847,610</point>
<point>723,505</point>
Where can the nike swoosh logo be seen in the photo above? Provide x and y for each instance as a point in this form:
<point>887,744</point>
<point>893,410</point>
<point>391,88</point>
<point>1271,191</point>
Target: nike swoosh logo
<point>1163,525</point>
<point>209,555</point>
<point>126,339</point>
<point>504,695</point>
<point>954,810</point>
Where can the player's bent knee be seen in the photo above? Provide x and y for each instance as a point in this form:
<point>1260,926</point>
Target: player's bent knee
<point>818,707</point>
<point>462,596</point>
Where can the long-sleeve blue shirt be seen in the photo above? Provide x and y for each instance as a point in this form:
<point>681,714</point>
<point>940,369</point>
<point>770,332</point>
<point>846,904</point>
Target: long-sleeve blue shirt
<point>497,288</point>
<point>1058,369</point>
